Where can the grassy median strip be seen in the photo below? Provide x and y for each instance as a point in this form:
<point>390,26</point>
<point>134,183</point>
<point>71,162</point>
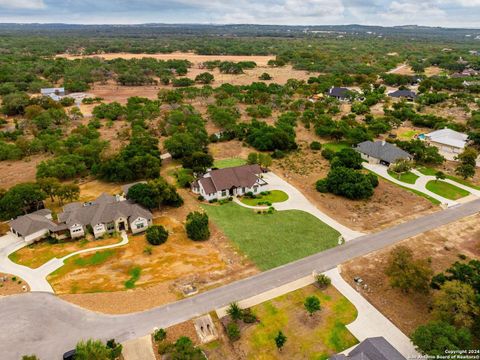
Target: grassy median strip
<point>408,177</point>
<point>446,190</point>
<point>271,240</point>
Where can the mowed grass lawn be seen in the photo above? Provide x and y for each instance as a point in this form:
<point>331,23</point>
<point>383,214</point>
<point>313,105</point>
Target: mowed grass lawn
<point>431,172</point>
<point>408,177</point>
<point>271,240</point>
<point>231,162</point>
<point>308,337</point>
<point>336,146</point>
<point>446,190</point>
<point>274,196</point>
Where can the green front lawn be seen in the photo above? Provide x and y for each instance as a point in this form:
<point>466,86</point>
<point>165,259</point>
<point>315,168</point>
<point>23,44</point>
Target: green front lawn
<point>409,134</point>
<point>316,337</point>
<point>336,146</point>
<point>271,240</point>
<point>274,196</point>
<point>231,162</point>
<point>408,177</point>
<point>446,190</point>
<point>431,172</point>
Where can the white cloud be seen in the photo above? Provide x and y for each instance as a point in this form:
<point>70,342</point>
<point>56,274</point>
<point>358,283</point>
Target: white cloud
<point>22,4</point>
<point>401,12</point>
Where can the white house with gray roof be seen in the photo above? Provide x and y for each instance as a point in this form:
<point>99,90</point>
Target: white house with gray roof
<point>381,152</point>
<point>106,214</point>
<point>449,142</point>
<point>35,226</point>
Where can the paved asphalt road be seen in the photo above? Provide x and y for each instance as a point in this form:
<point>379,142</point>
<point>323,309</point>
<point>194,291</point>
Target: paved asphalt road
<point>42,324</point>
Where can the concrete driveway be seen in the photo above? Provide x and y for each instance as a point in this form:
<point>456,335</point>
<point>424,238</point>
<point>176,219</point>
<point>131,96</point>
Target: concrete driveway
<point>370,322</point>
<point>37,278</point>
<point>297,201</point>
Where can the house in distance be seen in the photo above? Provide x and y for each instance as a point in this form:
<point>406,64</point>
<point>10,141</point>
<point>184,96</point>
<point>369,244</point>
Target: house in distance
<point>381,152</point>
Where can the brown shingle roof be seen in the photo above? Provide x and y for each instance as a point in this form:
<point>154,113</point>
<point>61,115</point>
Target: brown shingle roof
<point>238,176</point>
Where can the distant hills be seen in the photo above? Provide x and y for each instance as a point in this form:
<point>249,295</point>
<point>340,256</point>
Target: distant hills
<point>145,30</point>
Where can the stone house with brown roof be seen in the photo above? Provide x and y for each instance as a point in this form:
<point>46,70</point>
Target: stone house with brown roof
<point>234,181</point>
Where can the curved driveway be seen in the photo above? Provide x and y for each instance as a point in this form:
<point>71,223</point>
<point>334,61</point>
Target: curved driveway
<point>37,278</point>
<point>43,324</point>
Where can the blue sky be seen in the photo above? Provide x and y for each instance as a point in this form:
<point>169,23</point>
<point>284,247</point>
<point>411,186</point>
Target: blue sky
<point>449,13</point>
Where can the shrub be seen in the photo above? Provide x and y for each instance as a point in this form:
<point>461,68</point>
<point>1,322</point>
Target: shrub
<point>235,311</point>
<point>315,145</point>
<point>265,76</point>
<point>156,234</point>
<point>278,154</point>
<point>328,154</point>
<point>233,331</point>
<point>248,317</point>
<point>159,334</point>
<point>323,281</point>
<point>197,226</point>
<point>200,198</point>
<point>321,186</point>
<point>165,347</point>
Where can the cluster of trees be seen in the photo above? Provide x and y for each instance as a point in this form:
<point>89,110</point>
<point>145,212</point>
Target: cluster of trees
<point>27,197</point>
<point>422,152</point>
<point>345,179</point>
<point>140,159</point>
<point>467,163</point>
<point>197,226</point>
<point>455,307</point>
<point>154,194</point>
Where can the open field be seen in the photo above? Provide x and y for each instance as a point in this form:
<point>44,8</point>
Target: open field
<point>442,246</point>
<point>271,240</point>
<point>274,196</point>
<point>39,253</point>
<point>231,162</point>
<point>16,172</point>
<point>10,284</point>
<point>389,205</point>
<point>190,56</point>
<point>446,190</point>
<point>308,337</point>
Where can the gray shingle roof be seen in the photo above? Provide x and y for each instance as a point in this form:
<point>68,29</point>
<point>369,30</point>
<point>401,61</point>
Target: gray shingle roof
<point>403,93</point>
<point>104,209</point>
<point>31,223</point>
<point>375,348</point>
<point>339,92</point>
<point>382,150</point>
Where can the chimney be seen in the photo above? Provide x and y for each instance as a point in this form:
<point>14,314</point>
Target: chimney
<point>383,142</point>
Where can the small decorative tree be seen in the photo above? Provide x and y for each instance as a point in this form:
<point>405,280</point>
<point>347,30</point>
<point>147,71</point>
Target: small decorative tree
<point>159,334</point>
<point>400,167</point>
<point>312,304</point>
<point>234,311</point>
<point>323,281</point>
<point>439,175</point>
<point>280,340</point>
<point>156,235</point>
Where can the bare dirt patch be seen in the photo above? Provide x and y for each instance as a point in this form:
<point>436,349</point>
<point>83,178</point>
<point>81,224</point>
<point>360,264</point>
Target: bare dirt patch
<point>433,70</point>
<point>389,205</point>
<point>19,171</point>
<point>229,149</point>
<point>11,284</point>
<point>190,56</point>
<point>442,246</point>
